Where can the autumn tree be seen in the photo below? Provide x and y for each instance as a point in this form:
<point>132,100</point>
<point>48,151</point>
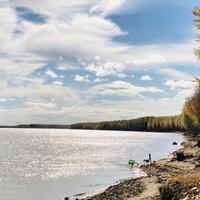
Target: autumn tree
<point>191,112</point>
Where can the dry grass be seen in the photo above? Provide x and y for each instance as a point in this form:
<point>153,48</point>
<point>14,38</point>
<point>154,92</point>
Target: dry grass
<point>187,179</point>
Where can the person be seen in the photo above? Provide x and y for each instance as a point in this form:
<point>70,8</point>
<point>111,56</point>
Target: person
<point>150,161</point>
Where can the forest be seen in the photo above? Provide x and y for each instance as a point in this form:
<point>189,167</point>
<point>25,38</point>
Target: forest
<point>166,124</point>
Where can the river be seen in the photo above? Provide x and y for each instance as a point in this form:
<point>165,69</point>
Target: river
<point>50,164</point>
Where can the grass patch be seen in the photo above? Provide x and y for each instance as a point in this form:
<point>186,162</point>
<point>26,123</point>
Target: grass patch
<point>181,186</point>
<point>187,179</point>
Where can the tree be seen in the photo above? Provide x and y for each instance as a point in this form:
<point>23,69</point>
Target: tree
<point>189,123</point>
<point>191,112</point>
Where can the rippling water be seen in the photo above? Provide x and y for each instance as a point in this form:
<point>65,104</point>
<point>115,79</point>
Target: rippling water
<point>51,164</point>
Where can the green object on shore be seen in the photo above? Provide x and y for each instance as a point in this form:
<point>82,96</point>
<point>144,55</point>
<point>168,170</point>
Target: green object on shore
<point>132,162</point>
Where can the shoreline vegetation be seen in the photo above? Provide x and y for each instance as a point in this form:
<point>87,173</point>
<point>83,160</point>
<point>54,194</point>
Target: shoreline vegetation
<point>39,126</point>
<point>143,124</point>
<point>147,124</point>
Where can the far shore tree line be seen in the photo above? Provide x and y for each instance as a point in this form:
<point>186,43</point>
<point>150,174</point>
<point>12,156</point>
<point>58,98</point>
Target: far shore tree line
<point>188,120</point>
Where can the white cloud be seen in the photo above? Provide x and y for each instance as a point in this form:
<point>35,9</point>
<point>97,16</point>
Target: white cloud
<point>57,39</point>
<point>62,9</point>
<point>2,100</point>
<point>180,84</point>
<point>57,83</point>
<point>97,58</point>
<point>75,35</point>
<point>182,95</point>
<point>80,78</point>
<point>146,78</point>
<point>78,113</point>
<point>100,80</point>
<point>184,89</point>
<point>55,8</point>
<point>174,74</point>
<point>8,22</point>
<point>40,104</point>
<point>107,7</point>
<point>107,69</point>
<point>95,34</point>
<point>31,90</point>
<point>19,65</point>
<point>121,88</point>
<point>51,74</point>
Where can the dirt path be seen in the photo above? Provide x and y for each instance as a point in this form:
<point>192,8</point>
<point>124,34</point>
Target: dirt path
<point>151,189</point>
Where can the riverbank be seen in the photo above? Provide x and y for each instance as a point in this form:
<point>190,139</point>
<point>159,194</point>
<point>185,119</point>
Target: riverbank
<point>170,178</point>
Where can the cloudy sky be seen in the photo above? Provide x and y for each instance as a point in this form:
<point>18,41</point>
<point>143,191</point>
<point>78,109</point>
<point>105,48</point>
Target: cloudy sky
<point>88,60</point>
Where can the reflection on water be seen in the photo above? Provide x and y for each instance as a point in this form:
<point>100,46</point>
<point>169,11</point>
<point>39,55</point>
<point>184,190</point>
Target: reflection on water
<point>51,164</point>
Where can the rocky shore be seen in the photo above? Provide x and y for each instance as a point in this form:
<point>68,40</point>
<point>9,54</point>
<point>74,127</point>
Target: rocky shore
<point>176,177</point>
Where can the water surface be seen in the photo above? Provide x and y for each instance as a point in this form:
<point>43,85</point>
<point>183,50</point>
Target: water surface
<point>52,164</point>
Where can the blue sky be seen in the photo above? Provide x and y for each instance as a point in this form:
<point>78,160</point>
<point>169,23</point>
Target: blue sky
<point>88,60</point>
<point>160,22</point>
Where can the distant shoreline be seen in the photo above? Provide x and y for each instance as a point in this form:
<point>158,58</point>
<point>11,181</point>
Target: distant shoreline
<point>39,126</point>
<point>144,124</point>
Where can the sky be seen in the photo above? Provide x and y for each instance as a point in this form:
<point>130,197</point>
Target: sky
<point>63,62</point>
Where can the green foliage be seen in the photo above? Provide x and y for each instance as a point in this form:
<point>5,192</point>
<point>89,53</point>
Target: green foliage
<point>189,123</point>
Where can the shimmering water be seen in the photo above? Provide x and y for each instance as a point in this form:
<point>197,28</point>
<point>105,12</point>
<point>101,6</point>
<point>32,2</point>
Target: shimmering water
<point>38,164</point>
